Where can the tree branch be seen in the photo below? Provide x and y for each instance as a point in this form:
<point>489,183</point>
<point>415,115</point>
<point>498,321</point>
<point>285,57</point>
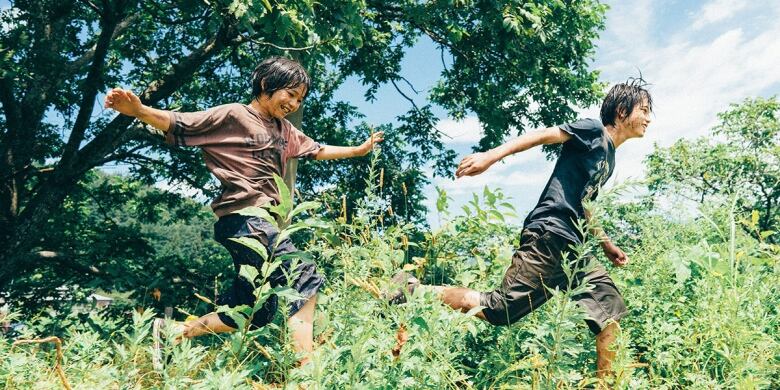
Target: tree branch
<point>433,125</point>
<point>438,39</point>
<point>123,155</point>
<point>109,139</point>
<point>93,6</point>
<point>141,159</point>
<point>86,58</point>
<point>244,38</point>
<point>765,221</point>
<point>409,84</point>
<point>90,89</point>
<point>112,135</point>
<point>404,95</point>
<point>441,55</point>
<point>10,104</point>
<point>47,74</point>
<point>708,184</point>
<point>163,20</point>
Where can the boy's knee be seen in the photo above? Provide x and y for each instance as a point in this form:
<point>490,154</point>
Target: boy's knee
<point>608,333</point>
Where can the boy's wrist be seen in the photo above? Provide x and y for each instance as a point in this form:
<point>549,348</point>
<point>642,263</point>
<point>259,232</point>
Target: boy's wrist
<point>141,113</point>
<point>361,150</point>
<point>494,155</point>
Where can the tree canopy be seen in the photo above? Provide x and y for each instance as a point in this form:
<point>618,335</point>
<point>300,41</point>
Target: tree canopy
<point>513,64</point>
<point>741,158</point>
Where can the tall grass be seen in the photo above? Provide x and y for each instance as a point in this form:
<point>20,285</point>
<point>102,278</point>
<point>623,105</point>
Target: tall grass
<point>702,296</point>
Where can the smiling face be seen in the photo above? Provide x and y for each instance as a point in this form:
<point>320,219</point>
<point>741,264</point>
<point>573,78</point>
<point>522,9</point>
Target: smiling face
<point>635,125</point>
<point>282,102</point>
<point>627,108</point>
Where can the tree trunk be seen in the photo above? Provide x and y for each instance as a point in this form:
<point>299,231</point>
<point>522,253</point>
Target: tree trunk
<point>15,256</point>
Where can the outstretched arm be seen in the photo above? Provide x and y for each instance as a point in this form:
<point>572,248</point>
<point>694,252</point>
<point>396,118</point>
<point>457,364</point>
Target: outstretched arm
<point>329,152</point>
<point>477,163</point>
<point>127,103</point>
<point>613,253</point>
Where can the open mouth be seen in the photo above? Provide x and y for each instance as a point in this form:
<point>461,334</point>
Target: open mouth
<point>285,110</point>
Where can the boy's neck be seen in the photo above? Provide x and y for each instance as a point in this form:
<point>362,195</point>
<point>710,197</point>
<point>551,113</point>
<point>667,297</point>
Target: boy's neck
<point>260,109</point>
<point>617,136</point>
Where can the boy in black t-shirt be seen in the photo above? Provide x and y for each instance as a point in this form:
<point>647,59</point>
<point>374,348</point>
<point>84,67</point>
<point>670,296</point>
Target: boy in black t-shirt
<point>586,161</point>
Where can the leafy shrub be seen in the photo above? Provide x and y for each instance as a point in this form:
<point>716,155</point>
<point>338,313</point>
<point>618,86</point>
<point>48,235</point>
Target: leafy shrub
<point>702,297</point>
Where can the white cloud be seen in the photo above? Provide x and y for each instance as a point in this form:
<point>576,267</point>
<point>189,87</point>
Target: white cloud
<point>717,11</point>
<point>692,83</point>
<point>465,132</point>
<point>628,27</point>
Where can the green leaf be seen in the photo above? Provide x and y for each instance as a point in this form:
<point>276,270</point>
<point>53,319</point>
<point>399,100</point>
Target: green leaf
<point>682,267</point>
<point>261,294</point>
<point>471,327</point>
<point>285,199</point>
<point>269,267</point>
<point>260,212</point>
<point>302,207</point>
<point>288,294</point>
<point>441,200</point>
<point>304,257</point>
<point>248,272</point>
<point>466,278</point>
<point>497,215</point>
<point>419,321</point>
<point>252,244</point>
<point>267,5</point>
<point>237,314</point>
<point>290,230</point>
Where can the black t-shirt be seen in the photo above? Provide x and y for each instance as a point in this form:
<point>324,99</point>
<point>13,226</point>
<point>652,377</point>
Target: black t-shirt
<point>586,162</point>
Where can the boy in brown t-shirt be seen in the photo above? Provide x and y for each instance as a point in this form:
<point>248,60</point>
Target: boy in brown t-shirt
<point>243,146</point>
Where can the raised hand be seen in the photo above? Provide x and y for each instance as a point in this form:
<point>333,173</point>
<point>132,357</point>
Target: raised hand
<point>474,164</point>
<point>374,139</point>
<point>123,101</point>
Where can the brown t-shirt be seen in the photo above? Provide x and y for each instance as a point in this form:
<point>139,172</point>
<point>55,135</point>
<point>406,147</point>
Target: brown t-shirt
<point>242,149</point>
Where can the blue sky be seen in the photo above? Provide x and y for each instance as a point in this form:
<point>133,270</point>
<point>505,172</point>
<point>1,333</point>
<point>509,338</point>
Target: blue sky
<point>700,56</point>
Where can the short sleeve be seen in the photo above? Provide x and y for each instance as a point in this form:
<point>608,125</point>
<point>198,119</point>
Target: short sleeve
<point>585,133</point>
<point>301,145</point>
<point>196,128</point>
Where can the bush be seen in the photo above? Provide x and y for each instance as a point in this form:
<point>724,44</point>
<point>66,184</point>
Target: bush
<point>702,296</point>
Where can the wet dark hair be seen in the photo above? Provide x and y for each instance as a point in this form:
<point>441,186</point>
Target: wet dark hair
<point>622,98</point>
<point>276,73</point>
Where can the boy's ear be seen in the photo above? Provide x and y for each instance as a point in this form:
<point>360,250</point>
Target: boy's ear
<point>621,113</point>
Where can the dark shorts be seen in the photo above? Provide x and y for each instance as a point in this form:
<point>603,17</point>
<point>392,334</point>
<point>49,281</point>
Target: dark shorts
<point>537,263</point>
<point>307,283</point>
